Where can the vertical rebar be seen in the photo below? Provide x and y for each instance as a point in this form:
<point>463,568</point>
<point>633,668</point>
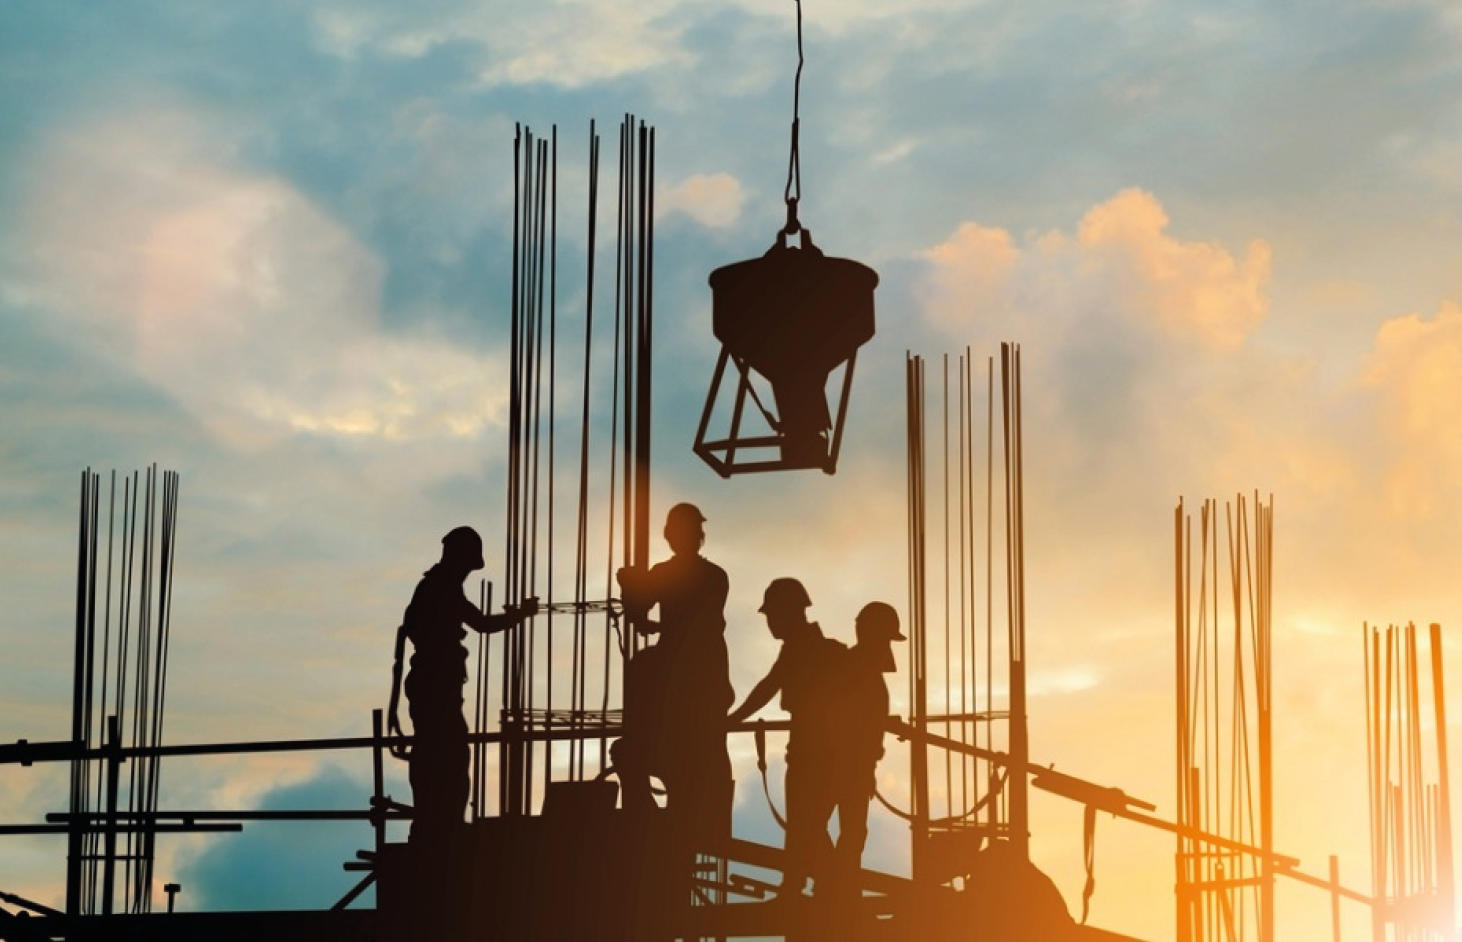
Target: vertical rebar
<point>1015,600</point>
<point>1182,558</point>
<point>1223,700</point>
<point>74,840</point>
<point>1446,874</point>
<point>918,708</point>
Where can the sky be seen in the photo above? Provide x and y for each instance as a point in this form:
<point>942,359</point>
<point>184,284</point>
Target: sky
<point>266,245</point>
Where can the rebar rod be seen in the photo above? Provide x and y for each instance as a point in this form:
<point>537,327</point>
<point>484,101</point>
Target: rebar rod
<point>1446,874</point>
<point>918,709</point>
<point>75,843</point>
<point>1015,588</point>
<point>944,457</point>
<point>581,536</point>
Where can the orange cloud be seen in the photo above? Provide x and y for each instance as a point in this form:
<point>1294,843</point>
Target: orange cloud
<point>1416,369</point>
<point>1120,264</point>
<point>974,264</point>
<point>1187,288</point>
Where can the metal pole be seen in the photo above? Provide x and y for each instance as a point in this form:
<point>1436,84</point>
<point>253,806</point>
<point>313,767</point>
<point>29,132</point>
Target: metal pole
<point>74,838</point>
<point>1181,751</point>
<point>114,769</point>
<point>378,785</point>
<point>918,665</point>
<point>1446,876</point>
<point>1264,685</point>
<point>645,270</point>
<point>1015,560</point>
<point>1371,641</point>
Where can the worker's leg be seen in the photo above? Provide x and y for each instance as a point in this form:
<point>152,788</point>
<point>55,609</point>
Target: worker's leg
<point>808,849</point>
<point>699,790</point>
<point>852,805</point>
<point>439,761</point>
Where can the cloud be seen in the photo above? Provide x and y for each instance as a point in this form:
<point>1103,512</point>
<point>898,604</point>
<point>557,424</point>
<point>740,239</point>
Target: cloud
<point>234,292</point>
<point>1121,265</point>
<point>1415,369</point>
<point>1163,372</point>
<point>1187,288</point>
<point>713,200</point>
<point>1150,379</point>
<point>282,865</point>
<point>971,273</point>
<point>566,43</point>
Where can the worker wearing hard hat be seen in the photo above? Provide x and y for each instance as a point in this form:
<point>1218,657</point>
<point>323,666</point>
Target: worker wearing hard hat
<point>434,622</point>
<point>865,709</point>
<point>807,672</point>
<point>677,691</point>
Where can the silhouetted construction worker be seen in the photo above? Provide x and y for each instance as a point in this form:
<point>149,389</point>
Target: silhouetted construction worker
<point>864,708</point>
<point>434,623</point>
<point>678,691</point>
<point>807,673</point>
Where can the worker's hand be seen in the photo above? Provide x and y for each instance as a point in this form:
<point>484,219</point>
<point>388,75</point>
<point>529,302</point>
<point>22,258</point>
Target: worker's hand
<point>629,577</point>
<point>527,608</point>
<point>393,728</point>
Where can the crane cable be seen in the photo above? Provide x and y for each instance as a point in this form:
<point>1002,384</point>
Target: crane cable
<point>792,195</point>
<point>794,162</point>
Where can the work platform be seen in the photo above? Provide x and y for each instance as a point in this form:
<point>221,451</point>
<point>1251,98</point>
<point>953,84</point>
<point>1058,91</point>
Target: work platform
<point>622,876</point>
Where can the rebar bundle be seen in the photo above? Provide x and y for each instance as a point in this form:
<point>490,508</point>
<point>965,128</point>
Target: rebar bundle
<point>1412,874</point>
<point>1224,682</point>
<point>124,588</point>
<point>515,689</point>
<point>980,801</point>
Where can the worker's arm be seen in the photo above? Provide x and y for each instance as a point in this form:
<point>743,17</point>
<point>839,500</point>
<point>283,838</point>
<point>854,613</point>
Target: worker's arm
<point>510,615</point>
<point>760,696</point>
<point>638,591</point>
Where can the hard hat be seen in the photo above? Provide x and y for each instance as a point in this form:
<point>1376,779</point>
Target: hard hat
<point>878,622</point>
<point>684,515</point>
<point>782,594</point>
<point>464,545</point>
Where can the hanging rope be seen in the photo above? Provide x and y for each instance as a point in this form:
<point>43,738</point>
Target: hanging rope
<point>997,786</point>
<point>1088,848</point>
<point>793,192</point>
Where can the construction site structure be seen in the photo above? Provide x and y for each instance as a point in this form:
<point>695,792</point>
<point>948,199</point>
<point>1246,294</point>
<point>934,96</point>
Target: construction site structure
<point>544,827</point>
<point>1225,780</point>
<point>547,853</point>
<point>1225,753</point>
<point>1412,872</point>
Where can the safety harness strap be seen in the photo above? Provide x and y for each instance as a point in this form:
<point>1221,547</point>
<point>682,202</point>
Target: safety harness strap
<point>399,750</point>
<point>761,765</point>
